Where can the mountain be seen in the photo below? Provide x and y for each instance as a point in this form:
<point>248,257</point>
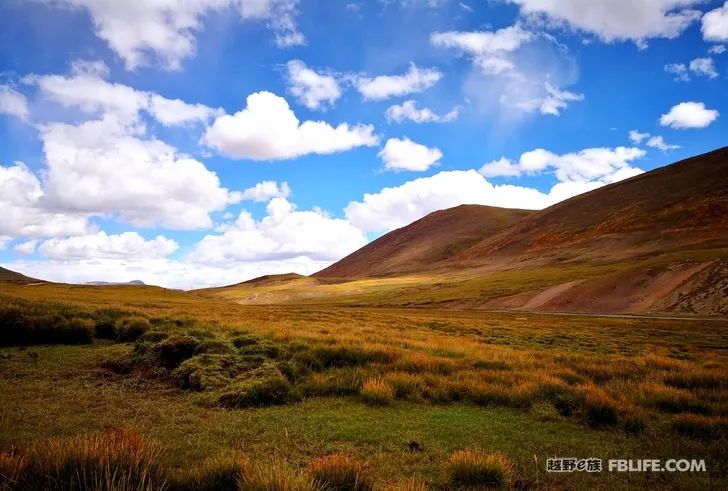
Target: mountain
<point>680,206</point>
<point>654,243</point>
<point>426,242</point>
<point>8,277</point>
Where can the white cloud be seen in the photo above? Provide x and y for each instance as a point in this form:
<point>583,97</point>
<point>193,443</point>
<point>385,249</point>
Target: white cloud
<point>703,66</point>
<point>23,213</point>
<point>266,190</point>
<point>312,89</point>
<point>717,49</point>
<point>489,49</point>
<point>267,129</point>
<point>603,164</point>
<point>386,86</point>
<point>284,234</point>
<point>143,32</point>
<point>127,245</point>
<point>616,20</point>
<point>102,166</point>
<point>27,247</point>
<point>552,102</point>
<point>689,115</point>
<point>655,141</point>
<point>404,154</point>
<point>680,70</point>
<point>659,143</point>
<point>408,111</point>
<point>523,81</point>
<point>13,102</point>
<point>715,24</point>
<point>87,90</point>
<point>637,137</point>
<point>395,207</point>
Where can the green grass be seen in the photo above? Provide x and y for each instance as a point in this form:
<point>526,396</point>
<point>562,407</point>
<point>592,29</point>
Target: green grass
<point>60,391</point>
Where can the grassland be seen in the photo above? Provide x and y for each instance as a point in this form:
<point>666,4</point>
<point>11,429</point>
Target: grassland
<point>397,390</point>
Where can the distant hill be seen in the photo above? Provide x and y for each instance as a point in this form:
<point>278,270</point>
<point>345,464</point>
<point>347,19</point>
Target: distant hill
<point>426,242</point>
<point>105,283</point>
<point>8,277</point>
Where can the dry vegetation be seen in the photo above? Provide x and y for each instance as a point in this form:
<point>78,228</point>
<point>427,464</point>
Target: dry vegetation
<point>651,380</point>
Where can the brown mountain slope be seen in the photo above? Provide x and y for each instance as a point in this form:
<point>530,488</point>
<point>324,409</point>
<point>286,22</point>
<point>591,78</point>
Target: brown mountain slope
<point>429,240</point>
<point>680,206</point>
<point>8,277</point>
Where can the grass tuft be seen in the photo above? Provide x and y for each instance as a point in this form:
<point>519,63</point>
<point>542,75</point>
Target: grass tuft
<point>338,472</point>
<point>476,468</point>
<point>377,392</point>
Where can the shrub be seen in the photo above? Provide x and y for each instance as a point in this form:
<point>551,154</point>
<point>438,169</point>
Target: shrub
<point>76,331</point>
<point>117,459</point>
<point>12,467</point>
<point>106,329</point>
<point>131,328</point>
<point>242,340</point>
<point>208,371</point>
<point>275,477</point>
<point>220,473</point>
<point>476,468</point>
<point>215,346</point>
<point>696,426</point>
<point>152,337</point>
<point>377,392</point>
<point>264,386</point>
<point>338,472</point>
<point>175,349</point>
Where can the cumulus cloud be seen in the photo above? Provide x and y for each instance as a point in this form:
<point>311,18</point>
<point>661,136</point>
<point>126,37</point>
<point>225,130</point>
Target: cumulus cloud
<point>87,89</point>
<point>127,245</point>
<point>23,212</point>
<point>267,129</point>
<point>616,20</point>
<point>717,49</point>
<point>408,110</point>
<point>142,33</point>
<point>404,154</point>
<point>386,86</point>
<point>312,89</point>
<point>395,207</point>
<point>603,164</point>
<point>266,190</point>
<point>284,234</point>
<point>715,24</point>
<point>689,115</point>
<point>103,167</point>
<point>13,102</point>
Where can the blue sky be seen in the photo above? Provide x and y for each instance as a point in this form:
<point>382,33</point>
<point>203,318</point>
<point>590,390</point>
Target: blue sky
<point>202,143</point>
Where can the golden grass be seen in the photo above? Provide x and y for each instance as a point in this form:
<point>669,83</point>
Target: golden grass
<point>474,468</point>
<point>377,392</point>
<point>340,473</point>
